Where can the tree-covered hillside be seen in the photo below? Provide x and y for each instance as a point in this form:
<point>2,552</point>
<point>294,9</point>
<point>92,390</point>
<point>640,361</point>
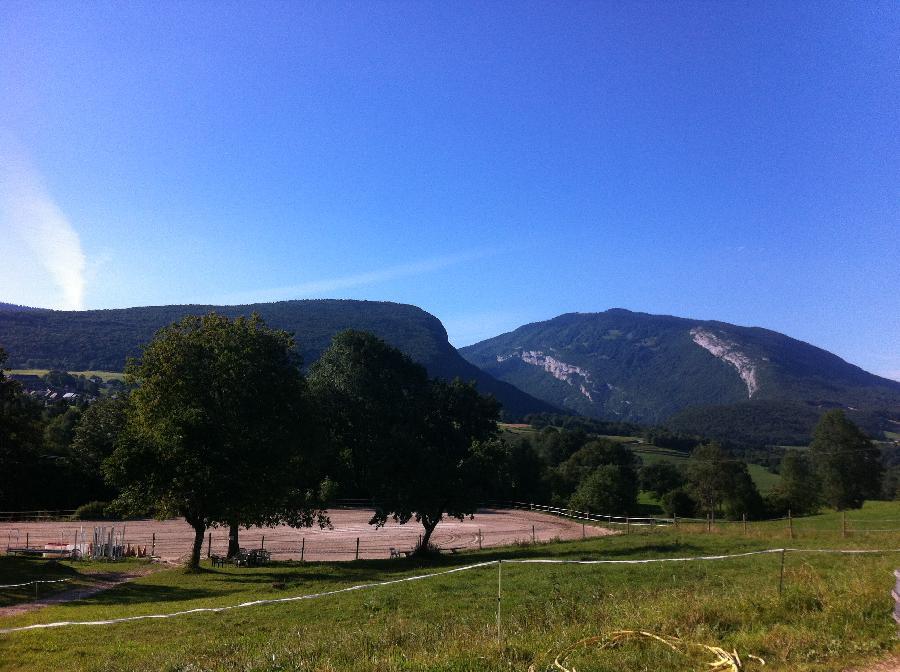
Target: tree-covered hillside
<point>645,368</point>
<point>104,339</point>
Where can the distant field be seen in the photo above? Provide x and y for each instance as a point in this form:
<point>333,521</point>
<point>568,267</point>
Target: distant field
<point>765,480</point>
<point>834,611</point>
<point>105,375</point>
<point>516,428</point>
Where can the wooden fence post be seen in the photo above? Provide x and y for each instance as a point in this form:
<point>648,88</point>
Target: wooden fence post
<point>153,545</point>
<point>209,545</point>
<point>533,537</point>
<point>479,538</point>
<point>263,544</point>
<point>357,548</point>
<point>302,549</point>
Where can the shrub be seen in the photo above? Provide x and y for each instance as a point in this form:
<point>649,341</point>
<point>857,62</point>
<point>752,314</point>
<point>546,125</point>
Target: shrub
<point>94,511</point>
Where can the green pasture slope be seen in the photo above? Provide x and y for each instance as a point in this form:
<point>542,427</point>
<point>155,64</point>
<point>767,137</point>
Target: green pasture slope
<point>834,610</point>
<point>105,375</point>
<point>765,480</point>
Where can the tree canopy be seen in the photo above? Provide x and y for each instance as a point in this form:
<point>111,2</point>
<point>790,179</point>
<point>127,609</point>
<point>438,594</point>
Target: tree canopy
<point>846,462</point>
<point>216,430</point>
<point>420,448</point>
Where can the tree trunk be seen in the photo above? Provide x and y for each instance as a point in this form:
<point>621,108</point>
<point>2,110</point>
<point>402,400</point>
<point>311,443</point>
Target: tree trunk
<point>199,532</point>
<point>429,528</point>
<point>234,546</point>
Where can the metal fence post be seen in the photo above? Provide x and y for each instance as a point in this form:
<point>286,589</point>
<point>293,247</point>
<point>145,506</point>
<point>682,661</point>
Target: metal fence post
<point>781,574</point>
<point>499,594</point>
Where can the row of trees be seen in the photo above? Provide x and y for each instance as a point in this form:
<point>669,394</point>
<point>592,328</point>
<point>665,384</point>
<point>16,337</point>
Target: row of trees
<point>842,468</point>
<point>223,429</point>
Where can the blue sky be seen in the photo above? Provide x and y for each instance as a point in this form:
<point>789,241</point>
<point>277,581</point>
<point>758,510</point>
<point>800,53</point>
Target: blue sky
<point>493,163</point>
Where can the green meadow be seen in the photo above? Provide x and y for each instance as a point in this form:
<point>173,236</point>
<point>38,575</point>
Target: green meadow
<point>105,375</point>
<point>832,610</point>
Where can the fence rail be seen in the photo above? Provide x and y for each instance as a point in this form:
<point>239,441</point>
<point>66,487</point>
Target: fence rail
<point>41,514</point>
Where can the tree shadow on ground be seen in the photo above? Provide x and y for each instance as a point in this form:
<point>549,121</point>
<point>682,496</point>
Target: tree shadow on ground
<point>137,593</point>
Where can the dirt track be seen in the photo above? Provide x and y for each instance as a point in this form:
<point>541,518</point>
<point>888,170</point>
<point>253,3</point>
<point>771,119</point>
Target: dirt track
<point>174,537</point>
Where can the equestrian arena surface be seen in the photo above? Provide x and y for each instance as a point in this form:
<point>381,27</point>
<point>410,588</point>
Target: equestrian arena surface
<point>171,540</point>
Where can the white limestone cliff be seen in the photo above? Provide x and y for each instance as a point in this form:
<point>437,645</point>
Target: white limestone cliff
<point>728,351</point>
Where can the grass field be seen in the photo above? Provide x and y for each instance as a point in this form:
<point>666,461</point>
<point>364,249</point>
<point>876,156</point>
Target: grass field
<point>834,610</point>
<point>765,480</point>
<point>105,375</point>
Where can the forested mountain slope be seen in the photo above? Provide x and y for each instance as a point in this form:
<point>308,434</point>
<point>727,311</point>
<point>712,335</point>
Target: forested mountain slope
<point>646,368</point>
<point>104,339</point>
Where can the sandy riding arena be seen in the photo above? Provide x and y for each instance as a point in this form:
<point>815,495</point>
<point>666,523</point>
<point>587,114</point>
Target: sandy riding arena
<point>171,540</point>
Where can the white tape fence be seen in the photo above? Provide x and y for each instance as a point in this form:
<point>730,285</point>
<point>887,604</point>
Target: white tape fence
<point>455,570</point>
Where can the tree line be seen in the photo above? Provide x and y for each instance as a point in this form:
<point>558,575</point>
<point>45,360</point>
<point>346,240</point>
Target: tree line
<point>220,425</point>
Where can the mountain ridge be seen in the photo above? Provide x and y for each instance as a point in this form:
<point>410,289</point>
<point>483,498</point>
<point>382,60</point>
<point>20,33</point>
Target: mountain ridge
<point>103,339</point>
<point>620,364</point>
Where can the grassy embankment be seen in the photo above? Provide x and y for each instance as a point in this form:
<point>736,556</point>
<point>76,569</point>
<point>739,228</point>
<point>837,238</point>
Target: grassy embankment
<point>105,375</point>
<point>834,610</point>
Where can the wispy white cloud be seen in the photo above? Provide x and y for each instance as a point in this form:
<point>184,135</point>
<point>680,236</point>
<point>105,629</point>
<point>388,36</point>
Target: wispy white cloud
<point>39,236</point>
<point>328,286</point>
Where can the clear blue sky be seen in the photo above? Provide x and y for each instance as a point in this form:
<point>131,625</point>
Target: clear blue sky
<point>494,163</point>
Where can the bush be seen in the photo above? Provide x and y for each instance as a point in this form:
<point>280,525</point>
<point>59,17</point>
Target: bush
<point>94,511</point>
<point>678,503</point>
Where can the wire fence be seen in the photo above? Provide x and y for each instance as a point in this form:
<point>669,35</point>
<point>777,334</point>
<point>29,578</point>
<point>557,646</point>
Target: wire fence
<point>352,537</point>
<point>536,562</point>
<point>791,525</point>
<point>36,515</point>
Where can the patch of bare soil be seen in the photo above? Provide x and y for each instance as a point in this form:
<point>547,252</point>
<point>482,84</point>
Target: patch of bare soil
<point>170,540</point>
<point>891,664</point>
<point>97,583</point>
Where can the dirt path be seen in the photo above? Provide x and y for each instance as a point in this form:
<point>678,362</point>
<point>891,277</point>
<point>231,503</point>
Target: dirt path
<point>98,583</point>
<point>891,664</point>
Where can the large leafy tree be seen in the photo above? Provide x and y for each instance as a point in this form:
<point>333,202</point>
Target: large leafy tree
<point>370,398</point>
<point>95,438</point>
<point>601,476</point>
<point>450,468</point>
<point>420,448</point>
<point>20,443</point>
<point>720,483</point>
<point>215,429</point>
<point>846,461</point>
<point>799,489</point>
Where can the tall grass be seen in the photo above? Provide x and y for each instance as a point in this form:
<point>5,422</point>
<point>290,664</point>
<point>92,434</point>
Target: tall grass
<point>833,611</point>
